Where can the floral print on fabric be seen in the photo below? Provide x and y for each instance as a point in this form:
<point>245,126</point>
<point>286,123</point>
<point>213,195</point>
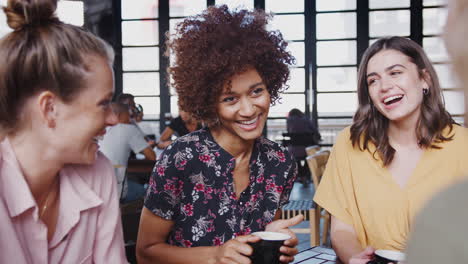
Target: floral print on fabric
<point>192,185</point>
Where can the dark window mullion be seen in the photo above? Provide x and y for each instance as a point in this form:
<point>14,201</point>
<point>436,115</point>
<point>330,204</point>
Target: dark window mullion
<point>164,94</point>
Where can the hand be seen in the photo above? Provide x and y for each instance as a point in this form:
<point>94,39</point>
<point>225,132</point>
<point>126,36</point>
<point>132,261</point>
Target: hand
<point>362,257</point>
<point>235,250</point>
<point>289,249</point>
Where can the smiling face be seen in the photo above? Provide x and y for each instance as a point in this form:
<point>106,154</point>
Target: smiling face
<point>80,123</point>
<point>395,85</point>
<point>243,106</point>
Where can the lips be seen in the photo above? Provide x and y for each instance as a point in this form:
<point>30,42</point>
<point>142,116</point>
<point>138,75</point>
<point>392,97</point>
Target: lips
<point>392,99</point>
<point>249,124</point>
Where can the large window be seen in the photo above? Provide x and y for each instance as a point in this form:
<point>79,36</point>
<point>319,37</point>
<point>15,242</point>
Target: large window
<point>327,38</point>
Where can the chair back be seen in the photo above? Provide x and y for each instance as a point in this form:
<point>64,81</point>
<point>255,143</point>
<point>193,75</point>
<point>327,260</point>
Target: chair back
<point>317,164</point>
<point>311,150</point>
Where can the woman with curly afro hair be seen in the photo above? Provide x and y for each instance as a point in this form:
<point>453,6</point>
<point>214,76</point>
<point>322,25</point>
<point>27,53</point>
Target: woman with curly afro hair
<point>213,187</point>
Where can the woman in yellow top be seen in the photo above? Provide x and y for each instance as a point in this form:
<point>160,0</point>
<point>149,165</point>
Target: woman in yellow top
<point>402,148</point>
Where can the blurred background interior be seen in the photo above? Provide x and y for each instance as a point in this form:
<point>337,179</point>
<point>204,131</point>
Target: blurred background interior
<point>326,37</point>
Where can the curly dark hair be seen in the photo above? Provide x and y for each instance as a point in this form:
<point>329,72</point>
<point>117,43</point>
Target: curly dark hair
<point>370,126</point>
<point>213,46</point>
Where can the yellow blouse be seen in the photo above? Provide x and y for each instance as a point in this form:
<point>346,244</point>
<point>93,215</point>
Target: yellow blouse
<point>359,191</point>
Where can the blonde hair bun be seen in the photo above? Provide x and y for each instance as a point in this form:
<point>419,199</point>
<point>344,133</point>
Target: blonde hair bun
<point>30,13</point>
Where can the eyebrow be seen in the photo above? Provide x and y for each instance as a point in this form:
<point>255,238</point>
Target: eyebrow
<point>389,68</point>
<point>230,92</point>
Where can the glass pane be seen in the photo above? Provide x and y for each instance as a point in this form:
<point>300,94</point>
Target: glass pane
<point>337,104</point>
<point>330,128</point>
<point>283,24</point>
<point>71,12</point>
<point>150,106</point>
<point>232,4</point>
<point>140,32</point>
<point>336,25</point>
<point>174,106</point>
<point>434,2</point>
<point>296,80</point>
<point>284,6</point>
<point>337,79</point>
<point>336,52</point>
<point>132,9</point>
<point>373,4</point>
<point>186,8</point>
<point>446,76</point>
<point>287,102</point>
<point>144,83</point>
<point>434,20</point>
<point>454,102</point>
<point>297,50</point>
<point>140,59</point>
<point>275,129</point>
<point>435,49</point>
<point>4,29</point>
<point>389,23</point>
<point>335,5</point>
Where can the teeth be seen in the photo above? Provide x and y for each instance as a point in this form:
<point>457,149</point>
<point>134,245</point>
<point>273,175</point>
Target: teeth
<point>97,138</point>
<point>249,122</point>
<point>392,98</point>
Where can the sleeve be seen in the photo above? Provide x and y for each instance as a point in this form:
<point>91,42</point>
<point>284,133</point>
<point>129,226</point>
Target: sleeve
<point>335,191</point>
<point>290,178</point>
<point>109,244</point>
<point>137,140</point>
<point>166,184</point>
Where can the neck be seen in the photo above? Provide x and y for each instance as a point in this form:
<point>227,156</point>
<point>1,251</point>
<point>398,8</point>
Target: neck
<point>403,133</point>
<point>236,146</point>
<point>36,163</point>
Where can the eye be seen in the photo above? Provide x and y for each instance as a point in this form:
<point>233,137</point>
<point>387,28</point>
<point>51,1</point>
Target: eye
<point>394,73</point>
<point>371,81</point>
<point>228,99</point>
<point>258,91</point>
<point>105,103</point>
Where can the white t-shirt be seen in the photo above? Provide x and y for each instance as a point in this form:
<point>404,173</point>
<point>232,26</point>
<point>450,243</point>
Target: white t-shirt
<point>118,141</point>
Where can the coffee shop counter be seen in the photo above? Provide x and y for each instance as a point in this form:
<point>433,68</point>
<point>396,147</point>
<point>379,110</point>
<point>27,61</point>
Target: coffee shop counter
<point>316,255</point>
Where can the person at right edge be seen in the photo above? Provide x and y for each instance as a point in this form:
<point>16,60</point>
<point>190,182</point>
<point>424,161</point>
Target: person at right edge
<point>440,231</point>
<point>402,148</point>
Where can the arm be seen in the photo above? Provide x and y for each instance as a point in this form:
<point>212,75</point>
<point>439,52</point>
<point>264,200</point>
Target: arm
<point>149,153</point>
<point>152,246</point>
<point>346,244</point>
<point>165,139</point>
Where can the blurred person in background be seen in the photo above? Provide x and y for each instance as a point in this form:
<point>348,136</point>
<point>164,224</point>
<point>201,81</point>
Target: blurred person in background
<point>440,231</point>
<point>402,148</point>
<point>117,144</point>
<point>58,194</point>
<point>302,132</point>
<point>212,188</point>
<point>181,126</point>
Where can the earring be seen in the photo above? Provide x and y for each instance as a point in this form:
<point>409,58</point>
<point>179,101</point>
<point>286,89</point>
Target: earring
<point>425,91</point>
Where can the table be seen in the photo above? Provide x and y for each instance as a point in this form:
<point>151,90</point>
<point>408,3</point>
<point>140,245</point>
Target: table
<point>316,255</point>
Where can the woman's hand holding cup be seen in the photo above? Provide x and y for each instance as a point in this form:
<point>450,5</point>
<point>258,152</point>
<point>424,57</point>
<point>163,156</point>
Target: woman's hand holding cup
<point>236,250</point>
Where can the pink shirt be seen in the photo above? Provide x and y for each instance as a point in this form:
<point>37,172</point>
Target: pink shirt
<point>88,228</point>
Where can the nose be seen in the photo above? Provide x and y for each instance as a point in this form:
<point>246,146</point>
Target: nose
<point>387,83</point>
<point>247,107</point>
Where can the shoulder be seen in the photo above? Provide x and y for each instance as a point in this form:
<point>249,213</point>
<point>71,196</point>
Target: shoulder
<point>96,174</point>
<point>343,138</point>
<point>191,141</point>
<point>459,132</point>
<point>267,146</point>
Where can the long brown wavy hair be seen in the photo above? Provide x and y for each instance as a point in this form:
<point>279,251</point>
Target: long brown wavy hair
<point>369,125</point>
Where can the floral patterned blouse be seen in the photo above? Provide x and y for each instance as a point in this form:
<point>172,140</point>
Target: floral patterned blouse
<point>192,185</point>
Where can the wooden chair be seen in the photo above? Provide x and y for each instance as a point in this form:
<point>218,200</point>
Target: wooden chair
<point>311,150</point>
<point>317,163</point>
<point>306,208</point>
